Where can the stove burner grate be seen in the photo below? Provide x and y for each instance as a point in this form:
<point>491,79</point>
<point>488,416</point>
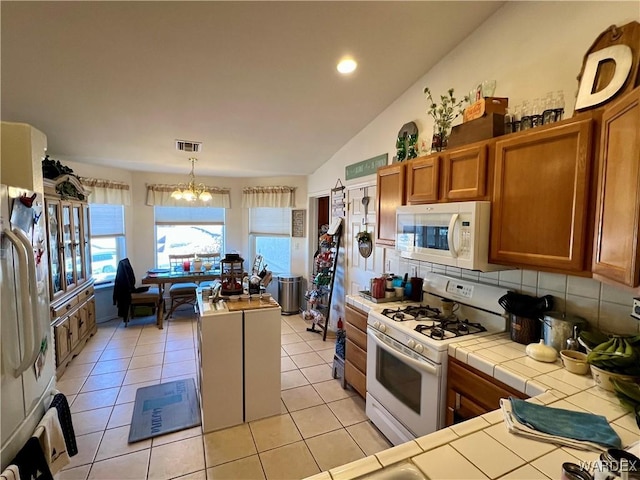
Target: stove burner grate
<point>449,328</point>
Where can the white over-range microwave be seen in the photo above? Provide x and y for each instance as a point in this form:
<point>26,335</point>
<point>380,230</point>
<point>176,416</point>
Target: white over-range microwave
<point>455,234</point>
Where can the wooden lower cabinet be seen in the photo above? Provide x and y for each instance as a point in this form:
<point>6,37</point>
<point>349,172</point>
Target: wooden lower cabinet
<point>73,324</point>
<point>471,393</point>
<point>355,365</point>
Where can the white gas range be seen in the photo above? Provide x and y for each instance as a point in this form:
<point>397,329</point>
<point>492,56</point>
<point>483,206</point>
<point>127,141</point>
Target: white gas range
<point>407,352</point>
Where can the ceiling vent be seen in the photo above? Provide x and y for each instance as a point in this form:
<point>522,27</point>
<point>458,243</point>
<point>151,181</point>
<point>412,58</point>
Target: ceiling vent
<point>187,146</point>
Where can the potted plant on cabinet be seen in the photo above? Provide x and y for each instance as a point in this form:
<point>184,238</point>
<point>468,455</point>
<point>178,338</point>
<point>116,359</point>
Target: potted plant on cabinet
<point>443,115</point>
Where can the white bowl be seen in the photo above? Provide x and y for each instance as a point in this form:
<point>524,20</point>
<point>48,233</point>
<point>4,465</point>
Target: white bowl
<point>234,298</point>
<point>603,378</point>
<point>266,296</point>
<point>245,297</point>
<point>574,361</point>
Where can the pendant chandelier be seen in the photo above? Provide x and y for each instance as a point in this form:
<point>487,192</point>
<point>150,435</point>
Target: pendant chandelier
<point>191,191</point>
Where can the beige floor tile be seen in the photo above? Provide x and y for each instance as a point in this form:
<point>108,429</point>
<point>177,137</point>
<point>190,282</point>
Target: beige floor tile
<point>87,356</point>
<point>331,390</point>
<point>80,370</point>
<point>334,449</point>
<point>292,379</point>
<point>315,421</point>
<point>318,373</point>
<point>115,353</point>
<point>70,386</point>
<point>327,355</point>
<point>176,458</point>
<point>286,364</point>
<point>179,344</point>
<point>245,468</point>
<point>115,442</point>
<point>132,466</point>
<point>97,399</point>
<point>283,353</point>
<point>175,436</point>
<point>301,397</point>
<point>286,329</point>
<point>109,366</point>
<point>349,410</point>
<point>179,368</point>
<point>199,475</point>
<point>274,432</point>
<point>125,342</point>
<point>297,348</point>
<point>121,415</point>
<point>148,349</point>
<point>144,361</point>
<point>288,338</point>
<point>87,453</point>
<point>91,421</point>
<point>179,355</point>
<point>77,473</point>
<point>307,359</point>
<point>102,381</point>
<point>288,462</point>
<point>128,392</point>
<point>368,438</point>
<point>152,335</point>
<point>319,345</point>
<point>310,336</point>
<point>228,445</point>
<point>142,375</point>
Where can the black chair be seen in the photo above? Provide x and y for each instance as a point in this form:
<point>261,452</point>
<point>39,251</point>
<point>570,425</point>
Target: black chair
<point>127,296</point>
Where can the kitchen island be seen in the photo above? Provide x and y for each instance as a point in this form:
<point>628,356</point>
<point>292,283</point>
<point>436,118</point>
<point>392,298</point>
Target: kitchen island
<point>239,361</point>
<point>481,447</point>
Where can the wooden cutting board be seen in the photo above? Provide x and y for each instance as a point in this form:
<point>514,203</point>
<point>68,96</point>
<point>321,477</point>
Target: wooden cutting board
<point>253,304</point>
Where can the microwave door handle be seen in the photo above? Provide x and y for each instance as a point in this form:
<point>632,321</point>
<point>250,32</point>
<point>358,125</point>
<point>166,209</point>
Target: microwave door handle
<point>26,324</point>
<point>422,366</point>
<point>452,224</point>
<point>36,329</point>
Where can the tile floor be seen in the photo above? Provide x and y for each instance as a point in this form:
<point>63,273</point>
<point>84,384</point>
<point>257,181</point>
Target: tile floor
<point>321,425</point>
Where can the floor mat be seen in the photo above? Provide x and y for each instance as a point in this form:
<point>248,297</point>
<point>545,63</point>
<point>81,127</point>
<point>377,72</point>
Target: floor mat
<point>164,408</point>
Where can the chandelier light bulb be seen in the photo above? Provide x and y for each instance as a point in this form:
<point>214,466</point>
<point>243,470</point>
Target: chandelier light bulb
<point>191,191</point>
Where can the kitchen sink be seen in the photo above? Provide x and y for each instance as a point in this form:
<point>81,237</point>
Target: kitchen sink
<point>399,471</point>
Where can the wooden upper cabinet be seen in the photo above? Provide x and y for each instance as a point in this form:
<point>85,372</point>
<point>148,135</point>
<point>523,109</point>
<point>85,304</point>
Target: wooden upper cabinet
<point>390,195</point>
<point>541,211</point>
<point>617,231</point>
<point>465,174</point>
<point>423,179</point>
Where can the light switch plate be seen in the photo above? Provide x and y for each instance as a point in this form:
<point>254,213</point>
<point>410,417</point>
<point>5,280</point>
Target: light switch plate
<point>635,310</point>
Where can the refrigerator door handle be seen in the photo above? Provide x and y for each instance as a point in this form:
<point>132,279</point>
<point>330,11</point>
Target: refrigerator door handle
<point>36,329</point>
<point>25,302</point>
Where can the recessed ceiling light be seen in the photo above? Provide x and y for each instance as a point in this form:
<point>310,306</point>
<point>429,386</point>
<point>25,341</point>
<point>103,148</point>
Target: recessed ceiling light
<point>347,65</point>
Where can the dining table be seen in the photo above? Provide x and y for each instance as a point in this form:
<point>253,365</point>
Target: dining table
<point>162,277</point>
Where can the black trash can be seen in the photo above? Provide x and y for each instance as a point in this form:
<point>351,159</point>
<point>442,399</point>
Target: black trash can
<point>289,293</point>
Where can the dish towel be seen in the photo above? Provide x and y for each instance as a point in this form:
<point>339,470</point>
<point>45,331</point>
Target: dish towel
<point>64,415</point>
<point>49,434</point>
<point>10,473</point>
<point>584,431</point>
<point>31,462</point>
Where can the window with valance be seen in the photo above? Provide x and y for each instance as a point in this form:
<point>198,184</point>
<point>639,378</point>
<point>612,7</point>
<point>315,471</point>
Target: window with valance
<point>160,195</point>
<point>107,191</point>
<point>273,197</point>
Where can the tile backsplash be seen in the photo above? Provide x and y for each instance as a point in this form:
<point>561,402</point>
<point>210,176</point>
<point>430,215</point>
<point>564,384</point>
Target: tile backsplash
<point>605,307</point>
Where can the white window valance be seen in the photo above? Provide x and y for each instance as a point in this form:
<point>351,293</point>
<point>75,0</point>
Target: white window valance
<point>107,191</point>
<point>161,195</point>
<point>274,197</point>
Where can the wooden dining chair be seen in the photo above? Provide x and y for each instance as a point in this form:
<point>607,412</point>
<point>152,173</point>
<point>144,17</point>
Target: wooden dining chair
<point>127,296</point>
<point>181,293</point>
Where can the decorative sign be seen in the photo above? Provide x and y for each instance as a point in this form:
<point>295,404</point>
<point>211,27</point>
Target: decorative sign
<point>297,223</point>
<point>365,167</point>
<point>337,200</point>
<point>610,67</point>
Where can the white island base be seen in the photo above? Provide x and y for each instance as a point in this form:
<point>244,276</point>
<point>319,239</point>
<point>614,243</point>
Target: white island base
<point>239,360</point>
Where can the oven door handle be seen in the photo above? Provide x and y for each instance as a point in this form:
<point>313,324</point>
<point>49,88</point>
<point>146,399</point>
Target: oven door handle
<point>422,366</point>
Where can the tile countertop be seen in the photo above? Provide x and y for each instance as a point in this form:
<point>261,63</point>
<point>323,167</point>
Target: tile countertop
<point>482,447</point>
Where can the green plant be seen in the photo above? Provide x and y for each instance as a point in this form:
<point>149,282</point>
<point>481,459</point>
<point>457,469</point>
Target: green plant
<point>444,114</point>
<point>363,236</point>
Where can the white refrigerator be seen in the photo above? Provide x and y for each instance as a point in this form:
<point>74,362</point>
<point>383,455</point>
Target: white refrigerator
<point>26,341</point>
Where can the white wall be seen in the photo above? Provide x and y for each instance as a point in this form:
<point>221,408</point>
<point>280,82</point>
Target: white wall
<point>530,48</point>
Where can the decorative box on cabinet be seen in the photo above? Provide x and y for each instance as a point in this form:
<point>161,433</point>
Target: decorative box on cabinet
<point>355,367</point>
<point>71,287</point>
<point>471,393</point>
<point>542,209</point>
<point>617,232</point>
<point>390,195</point>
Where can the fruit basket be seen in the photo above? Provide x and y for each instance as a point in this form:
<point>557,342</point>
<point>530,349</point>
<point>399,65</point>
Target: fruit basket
<point>603,378</point>
<point>618,357</point>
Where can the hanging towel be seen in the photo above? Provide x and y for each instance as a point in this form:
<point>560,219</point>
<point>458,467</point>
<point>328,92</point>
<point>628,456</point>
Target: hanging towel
<point>64,416</point>
<point>10,473</point>
<point>568,427</point>
<point>31,462</point>
<point>51,438</point>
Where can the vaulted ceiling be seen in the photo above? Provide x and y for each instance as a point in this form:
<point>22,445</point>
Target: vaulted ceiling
<point>116,83</point>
